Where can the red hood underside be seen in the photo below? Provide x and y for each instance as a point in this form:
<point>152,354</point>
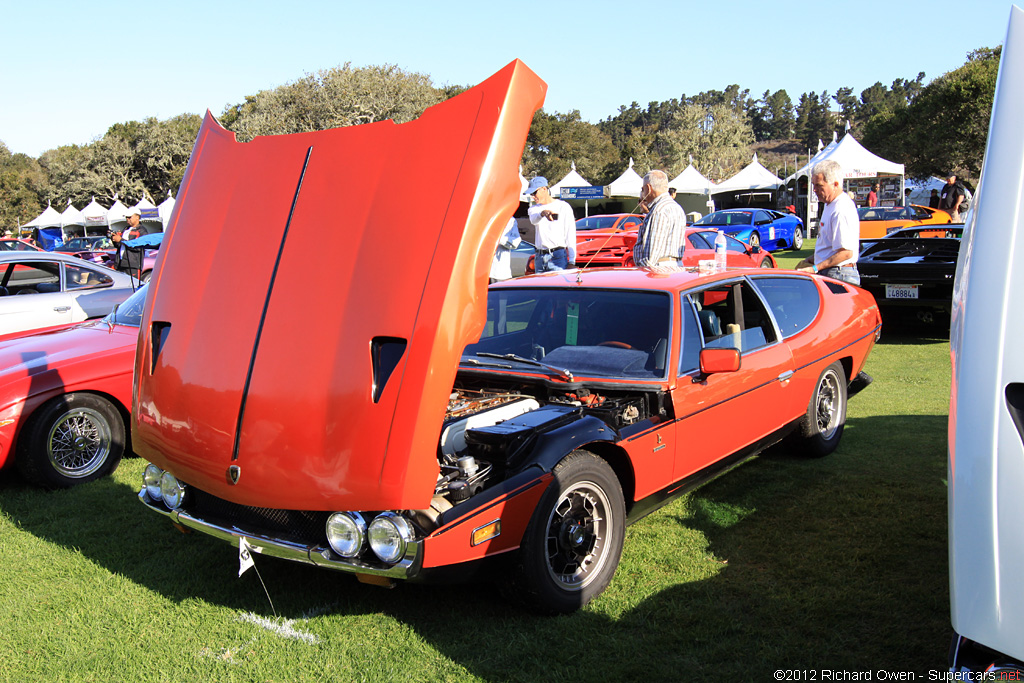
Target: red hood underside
<point>297,272</point>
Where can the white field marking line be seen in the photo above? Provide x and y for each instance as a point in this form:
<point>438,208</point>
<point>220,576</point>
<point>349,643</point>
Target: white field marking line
<point>284,629</point>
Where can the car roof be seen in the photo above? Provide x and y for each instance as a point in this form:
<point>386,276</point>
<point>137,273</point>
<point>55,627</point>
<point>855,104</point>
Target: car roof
<point>669,279</point>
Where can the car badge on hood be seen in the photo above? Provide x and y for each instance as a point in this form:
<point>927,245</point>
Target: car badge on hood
<point>234,472</point>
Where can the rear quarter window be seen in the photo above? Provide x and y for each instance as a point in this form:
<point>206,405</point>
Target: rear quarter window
<point>794,301</point>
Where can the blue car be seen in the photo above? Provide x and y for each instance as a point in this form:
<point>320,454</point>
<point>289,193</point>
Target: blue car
<point>768,229</point>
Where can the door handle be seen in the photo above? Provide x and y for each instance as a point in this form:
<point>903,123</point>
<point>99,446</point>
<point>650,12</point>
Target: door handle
<point>62,309</point>
<point>784,377</point>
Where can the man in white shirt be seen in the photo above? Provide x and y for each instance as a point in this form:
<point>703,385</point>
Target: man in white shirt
<point>835,253</point>
<point>555,229</point>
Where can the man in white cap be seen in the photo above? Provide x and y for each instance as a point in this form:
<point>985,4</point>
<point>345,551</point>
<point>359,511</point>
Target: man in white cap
<point>131,231</point>
<point>556,228</point>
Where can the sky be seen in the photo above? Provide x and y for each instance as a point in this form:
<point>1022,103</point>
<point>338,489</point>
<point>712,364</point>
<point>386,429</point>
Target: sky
<point>70,70</point>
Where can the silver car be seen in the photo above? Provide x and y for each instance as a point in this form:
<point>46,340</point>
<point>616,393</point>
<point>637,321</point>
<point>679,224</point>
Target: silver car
<point>41,289</point>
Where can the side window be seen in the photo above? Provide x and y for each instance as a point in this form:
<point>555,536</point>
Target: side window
<point>689,356</point>
<point>77,277</point>
<point>36,277</point>
<point>762,218</point>
<point>732,316</point>
<point>794,301</point>
<point>631,224</point>
<point>699,240</point>
<point>733,244</point>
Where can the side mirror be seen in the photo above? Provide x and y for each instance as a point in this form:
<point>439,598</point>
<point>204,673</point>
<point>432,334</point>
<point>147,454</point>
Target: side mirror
<point>714,361</point>
<point>755,249</point>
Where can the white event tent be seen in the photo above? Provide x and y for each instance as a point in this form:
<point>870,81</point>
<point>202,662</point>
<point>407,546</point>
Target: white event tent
<point>571,179</point>
<point>754,179</point>
<point>166,207</point>
<point>95,215</point>
<point>921,190</point>
<point>691,181</point>
<point>628,184</point>
<point>49,218</point>
<point>116,212</point>
<point>72,222</point>
<point>693,191</point>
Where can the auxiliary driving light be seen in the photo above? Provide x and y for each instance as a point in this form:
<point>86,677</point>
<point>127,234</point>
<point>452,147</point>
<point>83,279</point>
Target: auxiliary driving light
<point>389,536</point>
<point>151,480</point>
<point>346,533</point>
<point>172,491</point>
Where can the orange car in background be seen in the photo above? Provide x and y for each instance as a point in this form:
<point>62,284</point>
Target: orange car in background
<point>879,221</point>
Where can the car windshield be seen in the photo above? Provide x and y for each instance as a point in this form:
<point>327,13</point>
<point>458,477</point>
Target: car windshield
<point>597,223</point>
<point>129,311</point>
<point>87,243</point>
<point>595,333</point>
<point>15,245</point>
<point>727,218</point>
<point>884,213</point>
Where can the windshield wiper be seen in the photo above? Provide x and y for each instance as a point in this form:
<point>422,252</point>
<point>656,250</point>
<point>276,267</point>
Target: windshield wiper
<point>562,372</point>
<point>472,361</point>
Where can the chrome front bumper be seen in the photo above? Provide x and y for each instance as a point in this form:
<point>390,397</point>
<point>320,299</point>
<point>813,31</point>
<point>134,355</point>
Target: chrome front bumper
<point>406,568</point>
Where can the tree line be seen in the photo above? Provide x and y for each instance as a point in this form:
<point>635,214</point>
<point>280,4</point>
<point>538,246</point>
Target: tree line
<point>934,128</point>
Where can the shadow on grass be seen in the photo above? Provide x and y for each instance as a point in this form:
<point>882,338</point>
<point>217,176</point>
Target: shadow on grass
<point>837,563</point>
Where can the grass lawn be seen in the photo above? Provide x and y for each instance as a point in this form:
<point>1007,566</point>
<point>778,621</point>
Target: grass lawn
<point>782,563</point>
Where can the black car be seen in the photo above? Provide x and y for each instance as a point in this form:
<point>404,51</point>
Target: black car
<point>912,269</point>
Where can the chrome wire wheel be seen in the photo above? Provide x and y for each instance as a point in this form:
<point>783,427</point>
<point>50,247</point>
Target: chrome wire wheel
<point>828,404</point>
<point>79,442</point>
<point>578,535</point>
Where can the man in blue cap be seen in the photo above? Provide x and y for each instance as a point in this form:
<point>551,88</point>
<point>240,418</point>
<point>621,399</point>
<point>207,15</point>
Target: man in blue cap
<point>555,225</point>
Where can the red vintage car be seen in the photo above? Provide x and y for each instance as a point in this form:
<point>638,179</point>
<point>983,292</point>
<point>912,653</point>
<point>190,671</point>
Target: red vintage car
<point>616,250</point>
<point>65,395</point>
<point>405,423</point>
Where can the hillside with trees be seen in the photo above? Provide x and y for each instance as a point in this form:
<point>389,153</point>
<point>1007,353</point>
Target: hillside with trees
<point>934,128</point>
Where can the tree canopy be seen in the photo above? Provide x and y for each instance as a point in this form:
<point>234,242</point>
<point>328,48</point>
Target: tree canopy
<point>934,128</point>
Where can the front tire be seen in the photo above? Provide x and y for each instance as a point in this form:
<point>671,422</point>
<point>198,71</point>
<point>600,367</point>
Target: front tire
<point>821,428</point>
<point>798,239</point>
<point>755,239</point>
<point>573,543</point>
<point>70,440</point>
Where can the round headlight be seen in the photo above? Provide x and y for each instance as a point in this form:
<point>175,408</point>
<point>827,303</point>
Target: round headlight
<point>389,535</point>
<point>346,532</point>
<point>151,480</point>
<point>172,491</point>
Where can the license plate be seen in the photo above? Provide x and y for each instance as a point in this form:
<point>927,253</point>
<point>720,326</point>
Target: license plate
<point>901,291</point>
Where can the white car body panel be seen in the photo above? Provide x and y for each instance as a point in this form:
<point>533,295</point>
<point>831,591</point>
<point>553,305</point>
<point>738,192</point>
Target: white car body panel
<point>70,305</point>
<point>986,450</point>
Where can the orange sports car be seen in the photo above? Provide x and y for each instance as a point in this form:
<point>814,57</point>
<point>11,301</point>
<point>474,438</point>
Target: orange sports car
<point>434,428</point>
<point>879,221</point>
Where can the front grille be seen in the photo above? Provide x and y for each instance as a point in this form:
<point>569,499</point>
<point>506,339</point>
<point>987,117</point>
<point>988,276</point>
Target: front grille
<point>297,526</point>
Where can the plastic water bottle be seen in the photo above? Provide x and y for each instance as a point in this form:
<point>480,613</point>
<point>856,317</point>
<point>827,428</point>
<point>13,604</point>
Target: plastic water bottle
<point>720,252</point>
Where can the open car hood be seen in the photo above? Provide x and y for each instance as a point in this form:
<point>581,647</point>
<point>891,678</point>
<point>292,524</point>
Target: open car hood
<point>304,326</point>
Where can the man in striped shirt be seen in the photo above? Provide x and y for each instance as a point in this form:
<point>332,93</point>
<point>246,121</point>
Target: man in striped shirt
<point>662,237</point>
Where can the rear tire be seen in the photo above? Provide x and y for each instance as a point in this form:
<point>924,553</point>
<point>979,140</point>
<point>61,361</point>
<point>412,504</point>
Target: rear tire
<point>70,440</point>
<point>573,543</point>
<point>820,430</point>
<point>766,263</point>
